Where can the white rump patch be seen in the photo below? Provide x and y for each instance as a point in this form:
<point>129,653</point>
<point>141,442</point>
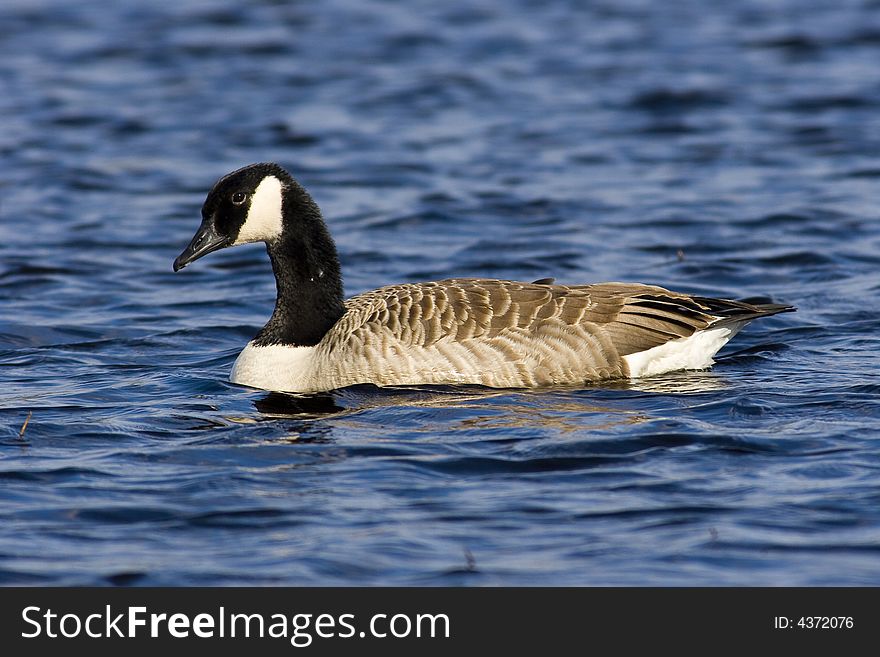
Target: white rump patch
<point>273,367</point>
<point>263,222</point>
<point>692,353</point>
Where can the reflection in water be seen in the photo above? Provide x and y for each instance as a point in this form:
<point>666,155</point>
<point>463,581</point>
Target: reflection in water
<point>563,418</point>
<point>675,383</point>
<point>298,411</point>
<point>280,404</point>
<point>565,409</point>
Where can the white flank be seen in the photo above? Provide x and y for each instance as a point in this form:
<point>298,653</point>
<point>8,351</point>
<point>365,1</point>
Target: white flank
<point>692,353</point>
<point>263,222</point>
<point>275,367</point>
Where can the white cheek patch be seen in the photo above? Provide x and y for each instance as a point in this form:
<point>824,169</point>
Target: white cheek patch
<point>263,222</point>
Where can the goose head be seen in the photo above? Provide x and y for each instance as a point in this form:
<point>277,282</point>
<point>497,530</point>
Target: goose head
<point>244,206</point>
<point>263,203</point>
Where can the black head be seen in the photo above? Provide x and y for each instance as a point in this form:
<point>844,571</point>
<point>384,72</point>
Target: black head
<point>263,203</point>
<point>243,206</point>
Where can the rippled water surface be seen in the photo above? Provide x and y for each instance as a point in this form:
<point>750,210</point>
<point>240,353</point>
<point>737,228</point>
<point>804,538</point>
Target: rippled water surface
<point>725,148</point>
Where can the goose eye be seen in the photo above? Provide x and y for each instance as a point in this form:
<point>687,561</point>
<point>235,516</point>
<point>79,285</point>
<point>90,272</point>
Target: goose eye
<point>238,198</point>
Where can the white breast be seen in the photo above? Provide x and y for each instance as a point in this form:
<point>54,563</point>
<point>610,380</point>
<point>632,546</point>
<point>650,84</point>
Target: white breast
<point>692,353</point>
<point>274,367</point>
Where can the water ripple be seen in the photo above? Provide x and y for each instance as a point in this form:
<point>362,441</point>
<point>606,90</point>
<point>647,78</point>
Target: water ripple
<point>725,150</point>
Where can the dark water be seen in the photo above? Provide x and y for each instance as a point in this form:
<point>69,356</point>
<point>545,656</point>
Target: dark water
<point>728,148</point>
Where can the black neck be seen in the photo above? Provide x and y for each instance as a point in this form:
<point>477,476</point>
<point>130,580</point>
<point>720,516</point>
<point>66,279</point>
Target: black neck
<point>307,277</point>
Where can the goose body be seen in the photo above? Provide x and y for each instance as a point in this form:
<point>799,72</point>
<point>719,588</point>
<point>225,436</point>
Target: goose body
<point>502,334</point>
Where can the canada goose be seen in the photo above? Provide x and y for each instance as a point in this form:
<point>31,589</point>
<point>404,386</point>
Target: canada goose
<point>502,334</point>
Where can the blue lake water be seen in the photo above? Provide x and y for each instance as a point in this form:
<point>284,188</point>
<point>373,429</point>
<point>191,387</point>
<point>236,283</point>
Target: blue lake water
<point>723,148</point>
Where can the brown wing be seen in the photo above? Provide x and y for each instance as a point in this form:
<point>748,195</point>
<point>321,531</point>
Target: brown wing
<point>462,309</point>
<point>509,334</point>
<point>639,317</point>
<point>633,317</point>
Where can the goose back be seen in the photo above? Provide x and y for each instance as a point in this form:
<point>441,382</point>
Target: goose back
<point>507,334</point>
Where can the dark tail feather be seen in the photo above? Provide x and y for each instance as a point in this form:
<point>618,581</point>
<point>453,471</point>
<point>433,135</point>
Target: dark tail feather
<point>736,312</point>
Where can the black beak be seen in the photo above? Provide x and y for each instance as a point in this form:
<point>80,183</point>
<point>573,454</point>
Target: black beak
<point>203,242</point>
